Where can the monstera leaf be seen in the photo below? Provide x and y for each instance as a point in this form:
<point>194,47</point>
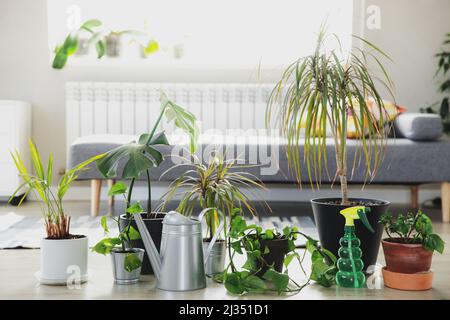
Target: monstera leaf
<point>182,119</point>
<point>138,156</point>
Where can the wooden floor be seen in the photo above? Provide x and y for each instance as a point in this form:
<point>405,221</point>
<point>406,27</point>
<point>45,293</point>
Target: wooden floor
<point>17,269</point>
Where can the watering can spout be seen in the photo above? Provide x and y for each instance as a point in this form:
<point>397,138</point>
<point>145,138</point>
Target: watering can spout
<point>150,247</point>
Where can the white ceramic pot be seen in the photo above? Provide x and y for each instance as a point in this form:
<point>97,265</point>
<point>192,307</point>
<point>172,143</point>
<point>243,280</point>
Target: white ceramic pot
<point>63,259</point>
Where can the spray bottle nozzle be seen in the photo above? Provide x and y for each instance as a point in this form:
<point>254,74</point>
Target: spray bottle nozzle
<point>354,213</point>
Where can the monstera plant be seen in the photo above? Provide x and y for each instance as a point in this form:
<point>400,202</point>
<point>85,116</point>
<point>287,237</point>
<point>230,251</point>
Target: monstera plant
<point>329,93</point>
<point>139,157</point>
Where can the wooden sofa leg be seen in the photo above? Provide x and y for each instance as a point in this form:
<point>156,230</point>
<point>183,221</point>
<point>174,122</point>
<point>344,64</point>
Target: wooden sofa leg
<point>111,182</point>
<point>415,197</point>
<point>445,196</point>
<point>96,187</point>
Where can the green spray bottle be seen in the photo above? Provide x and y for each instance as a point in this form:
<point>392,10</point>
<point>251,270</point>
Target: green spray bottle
<point>350,265</point>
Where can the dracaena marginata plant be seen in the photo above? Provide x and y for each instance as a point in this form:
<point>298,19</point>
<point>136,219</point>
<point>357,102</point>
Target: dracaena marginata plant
<point>217,184</point>
<point>57,223</point>
<point>320,92</point>
<point>141,156</point>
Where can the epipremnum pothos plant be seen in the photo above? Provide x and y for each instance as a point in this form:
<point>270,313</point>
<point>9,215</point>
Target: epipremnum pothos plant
<point>140,156</point>
<point>319,92</point>
<point>249,239</point>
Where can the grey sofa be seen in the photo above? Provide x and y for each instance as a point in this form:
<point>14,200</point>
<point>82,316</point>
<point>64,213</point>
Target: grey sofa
<point>407,162</point>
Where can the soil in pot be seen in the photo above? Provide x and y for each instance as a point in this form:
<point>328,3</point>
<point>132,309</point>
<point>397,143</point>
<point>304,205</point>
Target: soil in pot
<point>404,257</point>
<point>278,249</point>
<point>154,227</point>
<point>330,225</point>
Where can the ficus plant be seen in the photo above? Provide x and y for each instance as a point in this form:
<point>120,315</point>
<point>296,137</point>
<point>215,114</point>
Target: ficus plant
<point>326,92</point>
<point>412,228</point>
<point>217,184</point>
<point>127,234</point>
<point>57,222</point>
<point>140,156</point>
<point>249,239</point>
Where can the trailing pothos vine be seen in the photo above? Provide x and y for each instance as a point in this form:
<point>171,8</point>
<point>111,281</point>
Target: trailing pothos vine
<point>257,275</point>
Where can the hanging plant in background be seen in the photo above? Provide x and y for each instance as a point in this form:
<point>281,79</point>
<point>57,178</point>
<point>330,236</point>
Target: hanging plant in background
<point>444,88</point>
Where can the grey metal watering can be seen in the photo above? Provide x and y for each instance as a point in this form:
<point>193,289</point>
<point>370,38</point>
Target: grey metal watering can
<point>180,266</point>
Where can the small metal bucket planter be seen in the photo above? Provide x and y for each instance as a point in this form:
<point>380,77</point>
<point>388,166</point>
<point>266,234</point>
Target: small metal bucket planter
<point>122,276</point>
<point>215,263</point>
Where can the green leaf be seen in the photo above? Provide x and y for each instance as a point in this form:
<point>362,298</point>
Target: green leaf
<point>132,262</point>
<point>233,284</point>
<point>269,234</point>
<point>434,242</point>
<point>135,208</point>
<point>89,24</point>
<point>104,224</point>
<point>423,225</point>
<point>100,47</point>
<point>182,119</point>
<point>236,245</point>
<point>253,283</point>
<point>132,233</point>
<point>288,259</point>
<point>70,45</point>
<point>279,280</point>
<point>137,157</point>
<point>105,245</point>
<point>157,139</point>
<point>117,188</point>
<point>60,59</point>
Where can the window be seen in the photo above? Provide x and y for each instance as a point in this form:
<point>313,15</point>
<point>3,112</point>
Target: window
<point>210,33</point>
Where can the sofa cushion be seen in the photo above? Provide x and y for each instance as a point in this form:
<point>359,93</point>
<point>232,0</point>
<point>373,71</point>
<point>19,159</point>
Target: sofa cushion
<point>418,126</point>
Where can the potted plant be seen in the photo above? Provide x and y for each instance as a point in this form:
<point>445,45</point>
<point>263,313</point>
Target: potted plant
<point>126,261</point>
<point>79,40</point>
<point>408,250</point>
<point>444,88</point>
<point>138,158</point>
<point>324,94</point>
<point>59,249</point>
<point>215,185</point>
<point>268,252</point>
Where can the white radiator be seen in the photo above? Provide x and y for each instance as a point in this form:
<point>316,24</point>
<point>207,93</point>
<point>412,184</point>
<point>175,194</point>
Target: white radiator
<point>132,108</point>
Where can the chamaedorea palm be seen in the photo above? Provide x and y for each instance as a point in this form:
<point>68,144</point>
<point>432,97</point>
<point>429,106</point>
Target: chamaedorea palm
<point>218,184</point>
<point>320,92</point>
<point>57,223</point>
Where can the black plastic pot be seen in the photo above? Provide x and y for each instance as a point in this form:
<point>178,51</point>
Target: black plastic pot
<point>154,227</point>
<point>330,225</point>
<point>277,251</point>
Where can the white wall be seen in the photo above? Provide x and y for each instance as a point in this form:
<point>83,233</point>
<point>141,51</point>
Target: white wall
<point>411,33</point>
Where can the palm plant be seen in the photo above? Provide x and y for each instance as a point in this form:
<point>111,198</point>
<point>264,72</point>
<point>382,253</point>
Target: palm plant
<point>320,92</point>
<point>57,223</point>
<point>140,156</point>
<point>215,185</point>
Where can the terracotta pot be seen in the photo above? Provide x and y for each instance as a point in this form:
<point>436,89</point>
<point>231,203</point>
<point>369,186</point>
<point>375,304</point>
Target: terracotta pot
<point>406,258</point>
<point>408,281</point>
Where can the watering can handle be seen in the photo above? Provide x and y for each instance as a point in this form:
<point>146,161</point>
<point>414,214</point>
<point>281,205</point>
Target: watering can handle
<point>218,231</point>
